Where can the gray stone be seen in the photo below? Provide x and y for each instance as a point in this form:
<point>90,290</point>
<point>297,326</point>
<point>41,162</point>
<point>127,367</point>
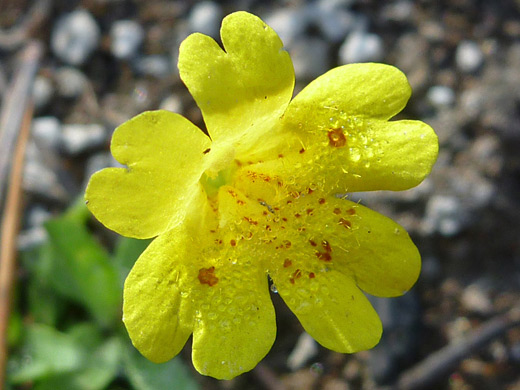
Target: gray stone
<point>78,138</point>
<point>154,65</point>
<point>289,23</point>
<point>441,96</point>
<point>47,131</point>
<point>126,37</point>
<point>310,57</point>
<point>42,93</point>
<point>70,82</point>
<point>74,37</point>
<point>468,56</point>
<point>475,298</point>
<point>361,46</point>
<point>334,20</point>
<point>205,17</point>
<point>445,215</point>
<point>172,103</point>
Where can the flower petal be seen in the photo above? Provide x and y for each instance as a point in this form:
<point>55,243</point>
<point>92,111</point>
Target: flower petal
<point>246,86</point>
<point>235,326</point>
<point>158,318</point>
<point>333,310</point>
<point>369,90</point>
<point>357,155</point>
<point>164,153</point>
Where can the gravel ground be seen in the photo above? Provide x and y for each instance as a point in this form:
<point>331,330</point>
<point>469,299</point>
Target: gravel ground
<point>107,60</point>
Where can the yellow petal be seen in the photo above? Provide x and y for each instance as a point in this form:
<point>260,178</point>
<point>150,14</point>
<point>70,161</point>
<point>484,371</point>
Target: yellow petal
<point>159,319</point>
<point>369,90</point>
<point>243,89</point>
<point>332,309</point>
<point>164,153</point>
<point>235,324</point>
<point>357,154</point>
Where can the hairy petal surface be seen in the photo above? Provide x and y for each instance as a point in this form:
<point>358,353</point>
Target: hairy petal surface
<point>162,179</point>
<point>242,89</point>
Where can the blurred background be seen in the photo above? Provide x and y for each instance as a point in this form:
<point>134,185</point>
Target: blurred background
<point>100,62</point>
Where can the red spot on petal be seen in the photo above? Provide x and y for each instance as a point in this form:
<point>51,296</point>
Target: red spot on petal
<point>297,215</point>
<point>312,243</point>
<point>280,155</point>
<point>207,151</point>
<point>351,211</point>
<point>325,244</point>
<point>207,276</point>
<point>233,243</point>
<point>302,150</point>
<point>321,201</point>
<point>337,211</point>
<point>309,211</point>
<point>284,219</point>
<point>287,263</point>
<point>251,221</point>
<point>324,256</point>
<point>312,275</point>
<point>336,138</point>
<point>345,222</point>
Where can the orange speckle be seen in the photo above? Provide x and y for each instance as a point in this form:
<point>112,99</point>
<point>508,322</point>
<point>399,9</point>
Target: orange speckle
<point>217,241</point>
<point>309,211</point>
<point>312,275</point>
<point>324,256</point>
<point>251,221</point>
<point>284,219</point>
<point>240,202</point>
<point>289,201</point>
<point>280,155</point>
<point>310,191</point>
<point>325,244</point>
<point>336,138</point>
<point>297,215</point>
<point>345,222</point>
<point>337,211</point>
<point>287,244</point>
<point>265,212</point>
<point>302,150</point>
<point>287,263</point>
<point>233,243</point>
<point>207,151</point>
<point>351,211</point>
<point>312,243</point>
<point>232,193</point>
<point>321,201</point>
<point>207,276</point>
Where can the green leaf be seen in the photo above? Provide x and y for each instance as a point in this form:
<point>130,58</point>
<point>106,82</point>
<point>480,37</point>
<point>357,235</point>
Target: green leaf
<point>145,375</point>
<point>82,270</point>
<point>78,359</point>
<point>46,352</point>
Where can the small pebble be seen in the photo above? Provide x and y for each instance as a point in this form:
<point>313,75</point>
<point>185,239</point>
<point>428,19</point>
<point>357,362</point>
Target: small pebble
<point>70,82</point>
<point>334,20</point>
<point>310,57</point>
<point>126,37</point>
<point>154,65</point>
<point>172,103</point>
<point>306,348</point>
<point>42,93</point>
<point>445,215</point>
<point>47,132</point>
<point>78,138</point>
<point>468,56</point>
<point>441,96</point>
<point>361,46</point>
<point>205,17</point>
<point>475,298</point>
<point>289,23</point>
<point>74,37</point>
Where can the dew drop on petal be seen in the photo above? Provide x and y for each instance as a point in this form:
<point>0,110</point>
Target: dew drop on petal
<point>274,289</point>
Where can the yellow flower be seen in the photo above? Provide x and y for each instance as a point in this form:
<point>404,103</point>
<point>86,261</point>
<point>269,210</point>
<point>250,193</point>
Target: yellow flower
<point>259,196</point>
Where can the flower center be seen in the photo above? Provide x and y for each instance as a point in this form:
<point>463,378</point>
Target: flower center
<point>221,168</point>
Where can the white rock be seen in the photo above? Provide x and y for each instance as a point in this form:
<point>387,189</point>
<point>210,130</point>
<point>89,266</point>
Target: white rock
<point>126,37</point>
<point>70,82</point>
<point>441,96</point>
<point>361,46</point>
<point>468,56</point>
<point>74,37</point>
<point>77,138</point>
<point>47,131</point>
<point>310,57</point>
<point>306,348</point>
<point>172,103</point>
<point>289,23</point>
<point>205,17</point>
<point>42,92</point>
<point>445,215</point>
<point>154,65</point>
<point>334,20</point>
<point>476,299</point>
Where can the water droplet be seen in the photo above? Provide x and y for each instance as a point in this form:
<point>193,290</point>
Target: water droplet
<point>316,368</point>
<point>274,289</point>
